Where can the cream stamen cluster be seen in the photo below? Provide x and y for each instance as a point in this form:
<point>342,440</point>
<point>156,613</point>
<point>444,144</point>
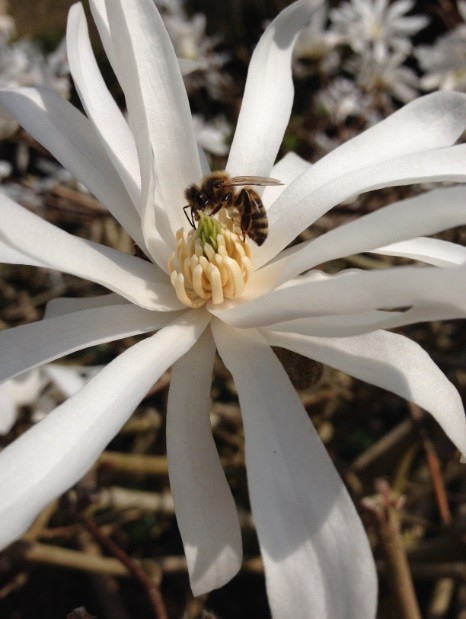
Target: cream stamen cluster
<point>211,262</point>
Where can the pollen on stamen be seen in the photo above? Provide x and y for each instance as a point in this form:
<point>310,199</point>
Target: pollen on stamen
<point>209,263</point>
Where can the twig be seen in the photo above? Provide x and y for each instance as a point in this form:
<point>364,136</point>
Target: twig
<point>123,498</point>
<point>151,587</point>
<point>433,465</point>
<point>48,554</point>
<point>441,599</point>
<point>72,559</point>
<point>392,439</point>
<point>72,195</point>
<point>134,463</point>
<point>40,523</point>
<point>383,511</point>
<point>433,570</point>
<point>105,587</point>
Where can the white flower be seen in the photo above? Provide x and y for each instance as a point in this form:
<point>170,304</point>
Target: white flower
<point>342,98</point>
<point>376,27</point>
<point>390,77</point>
<point>23,64</point>
<point>42,389</point>
<point>197,52</point>
<point>317,559</point>
<point>444,63</point>
<point>212,135</point>
<point>316,44</point>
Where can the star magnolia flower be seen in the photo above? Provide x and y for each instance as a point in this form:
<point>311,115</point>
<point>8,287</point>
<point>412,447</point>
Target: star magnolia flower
<point>376,27</point>
<point>444,62</point>
<point>28,389</point>
<point>317,559</point>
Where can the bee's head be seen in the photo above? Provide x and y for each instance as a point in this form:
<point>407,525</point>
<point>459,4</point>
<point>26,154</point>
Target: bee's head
<point>196,197</point>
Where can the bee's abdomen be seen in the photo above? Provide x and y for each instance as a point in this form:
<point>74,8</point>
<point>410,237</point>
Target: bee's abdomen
<point>259,228</point>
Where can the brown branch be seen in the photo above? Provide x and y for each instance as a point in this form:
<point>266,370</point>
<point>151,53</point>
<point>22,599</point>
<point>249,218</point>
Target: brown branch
<point>151,587</point>
<point>433,464</point>
<point>383,511</point>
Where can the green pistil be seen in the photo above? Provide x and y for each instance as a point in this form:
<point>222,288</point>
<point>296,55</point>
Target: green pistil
<point>207,231</point>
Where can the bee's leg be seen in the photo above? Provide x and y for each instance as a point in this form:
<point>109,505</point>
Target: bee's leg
<point>243,204</point>
<point>191,221</point>
<point>224,202</point>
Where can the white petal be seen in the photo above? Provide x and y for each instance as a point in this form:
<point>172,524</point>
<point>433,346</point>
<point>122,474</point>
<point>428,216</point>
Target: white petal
<point>341,325</point>
<point>58,451</point>
<point>156,228</point>
<point>433,251</point>
<point>425,214</point>
<point>351,293</point>
<point>268,94</point>
<point>100,107</point>
<point>149,67</point>
<point>70,137</point>
<point>28,239</point>
<point>317,558</point>
<point>66,305</point>
<point>374,159</point>
<point>390,361</point>
<point>43,341</point>
<point>344,325</point>
<point>205,508</point>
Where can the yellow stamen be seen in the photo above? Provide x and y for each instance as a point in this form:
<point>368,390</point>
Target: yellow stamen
<point>211,262</point>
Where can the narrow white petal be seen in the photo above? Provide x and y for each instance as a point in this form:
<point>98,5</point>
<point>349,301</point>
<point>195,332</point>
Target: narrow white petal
<point>428,213</point>
<point>317,558</point>
<point>71,138</point>
<point>353,292</point>
<point>49,339</point>
<point>28,239</point>
<point>268,94</point>
<point>146,51</point>
<point>390,361</point>
<point>205,508</point>
<point>374,159</point>
<point>344,325</point>
<point>156,227</point>
<point>66,305</point>
<point>432,251</point>
<point>341,325</point>
<point>58,451</point>
<point>100,106</point>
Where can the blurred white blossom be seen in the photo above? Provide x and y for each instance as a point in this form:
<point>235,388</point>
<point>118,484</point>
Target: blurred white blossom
<point>42,389</point>
<point>316,45</point>
<point>444,63</point>
<point>22,63</point>
<point>391,77</point>
<point>212,135</point>
<point>376,27</point>
<point>191,43</point>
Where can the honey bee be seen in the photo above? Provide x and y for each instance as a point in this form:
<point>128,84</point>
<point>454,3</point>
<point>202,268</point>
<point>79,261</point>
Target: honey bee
<point>218,190</point>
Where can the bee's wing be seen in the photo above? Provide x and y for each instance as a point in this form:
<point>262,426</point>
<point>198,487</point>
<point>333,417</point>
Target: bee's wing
<point>237,181</point>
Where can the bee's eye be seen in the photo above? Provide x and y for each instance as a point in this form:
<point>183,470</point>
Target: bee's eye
<point>202,199</point>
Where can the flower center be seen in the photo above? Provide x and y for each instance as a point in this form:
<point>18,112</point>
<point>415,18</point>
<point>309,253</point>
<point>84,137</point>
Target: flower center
<point>211,262</point>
